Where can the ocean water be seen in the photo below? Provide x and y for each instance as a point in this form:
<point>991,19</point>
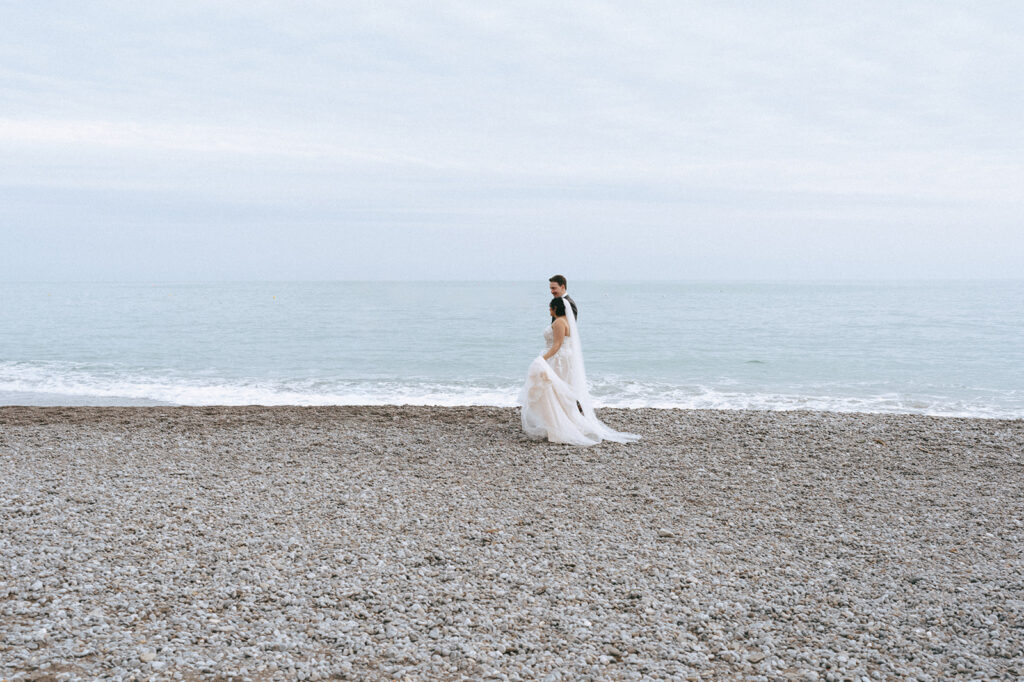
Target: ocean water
<point>943,348</point>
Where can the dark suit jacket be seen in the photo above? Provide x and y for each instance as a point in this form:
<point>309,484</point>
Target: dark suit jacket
<point>572,304</point>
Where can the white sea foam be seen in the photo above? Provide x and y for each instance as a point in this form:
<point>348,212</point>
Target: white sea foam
<point>70,384</point>
<point>23,378</point>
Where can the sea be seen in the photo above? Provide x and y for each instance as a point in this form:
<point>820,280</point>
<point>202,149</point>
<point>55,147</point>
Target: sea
<point>953,348</point>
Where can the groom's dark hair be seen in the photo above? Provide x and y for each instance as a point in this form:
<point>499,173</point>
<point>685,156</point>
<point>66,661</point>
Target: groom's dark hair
<point>559,280</point>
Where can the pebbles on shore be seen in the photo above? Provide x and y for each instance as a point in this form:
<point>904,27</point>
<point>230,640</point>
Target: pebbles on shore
<point>440,543</point>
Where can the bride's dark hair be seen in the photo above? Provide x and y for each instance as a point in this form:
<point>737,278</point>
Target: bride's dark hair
<point>558,305</point>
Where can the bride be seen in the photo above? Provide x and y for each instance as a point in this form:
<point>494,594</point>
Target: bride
<point>555,400</point>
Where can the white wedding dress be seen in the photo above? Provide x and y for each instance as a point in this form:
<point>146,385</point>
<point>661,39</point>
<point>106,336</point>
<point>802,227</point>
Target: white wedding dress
<point>555,400</point>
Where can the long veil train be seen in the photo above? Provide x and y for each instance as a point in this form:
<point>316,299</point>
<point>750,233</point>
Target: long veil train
<point>561,409</point>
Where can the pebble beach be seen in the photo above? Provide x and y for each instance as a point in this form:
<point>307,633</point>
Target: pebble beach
<point>423,543</point>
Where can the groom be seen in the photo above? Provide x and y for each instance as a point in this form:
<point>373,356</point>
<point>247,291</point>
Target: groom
<point>558,285</point>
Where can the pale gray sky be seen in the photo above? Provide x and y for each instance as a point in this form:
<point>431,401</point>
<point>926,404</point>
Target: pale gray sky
<point>469,140</point>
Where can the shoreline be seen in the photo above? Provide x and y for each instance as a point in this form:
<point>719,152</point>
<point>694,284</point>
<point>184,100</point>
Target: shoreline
<point>154,405</point>
<point>369,542</point>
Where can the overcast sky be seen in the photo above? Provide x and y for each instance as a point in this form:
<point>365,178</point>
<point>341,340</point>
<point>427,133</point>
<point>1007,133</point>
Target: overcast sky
<point>473,140</point>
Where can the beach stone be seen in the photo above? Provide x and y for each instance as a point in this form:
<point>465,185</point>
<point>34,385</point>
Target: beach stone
<point>435,543</point>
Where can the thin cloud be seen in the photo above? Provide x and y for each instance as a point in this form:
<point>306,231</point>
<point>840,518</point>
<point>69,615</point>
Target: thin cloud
<point>199,139</point>
<point>565,115</point>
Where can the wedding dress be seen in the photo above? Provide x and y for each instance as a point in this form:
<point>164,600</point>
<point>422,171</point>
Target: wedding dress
<point>555,401</point>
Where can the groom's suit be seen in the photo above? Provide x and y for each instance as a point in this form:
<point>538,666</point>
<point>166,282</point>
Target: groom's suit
<point>575,311</point>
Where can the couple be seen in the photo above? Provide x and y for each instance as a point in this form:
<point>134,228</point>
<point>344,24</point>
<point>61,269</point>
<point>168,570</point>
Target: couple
<point>555,400</point>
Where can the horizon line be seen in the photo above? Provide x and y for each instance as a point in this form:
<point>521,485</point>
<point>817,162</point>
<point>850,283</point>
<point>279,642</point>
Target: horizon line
<point>735,280</point>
